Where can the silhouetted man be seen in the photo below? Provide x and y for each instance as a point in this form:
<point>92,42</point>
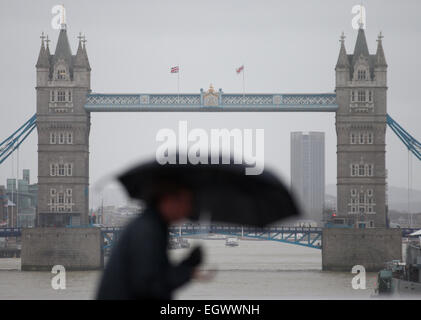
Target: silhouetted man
<point>139,267</point>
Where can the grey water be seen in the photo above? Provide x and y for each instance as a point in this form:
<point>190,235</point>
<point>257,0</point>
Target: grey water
<point>253,270</point>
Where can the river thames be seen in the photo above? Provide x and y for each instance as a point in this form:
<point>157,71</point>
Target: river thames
<point>253,270</point>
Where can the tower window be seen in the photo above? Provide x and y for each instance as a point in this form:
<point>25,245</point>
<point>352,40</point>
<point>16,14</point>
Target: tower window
<point>353,138</point>
<point>370,138</point>
<point>53,169</point>
<point>361,96</point>
<point>69,137</point>
<point>61,96</point>
<point>61,74</point>
<point>362,74</point>
<point>69,169</point>
<point>53,138</point>
<point>61,138</point>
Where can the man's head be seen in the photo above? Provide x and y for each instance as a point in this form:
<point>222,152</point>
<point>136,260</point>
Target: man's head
<point>172,201</point>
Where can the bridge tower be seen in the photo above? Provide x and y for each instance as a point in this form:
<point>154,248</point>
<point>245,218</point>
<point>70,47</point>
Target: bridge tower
<point>361,91</point>
<point>63,81</point>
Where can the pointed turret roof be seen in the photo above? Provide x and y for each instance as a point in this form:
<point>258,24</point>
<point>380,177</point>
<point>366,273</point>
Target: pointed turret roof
<point>81,58</point>
<point>380,58</point>
<point>63,50</point>
<point>361,47</point>
<point>43,57</point>
<point>343,58</point>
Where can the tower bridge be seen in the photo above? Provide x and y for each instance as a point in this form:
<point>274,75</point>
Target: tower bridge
<point>65,101</point>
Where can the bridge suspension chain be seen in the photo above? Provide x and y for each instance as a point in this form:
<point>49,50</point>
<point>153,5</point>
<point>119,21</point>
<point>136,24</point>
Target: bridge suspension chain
<point>11,143</point>
<point>412,144</point>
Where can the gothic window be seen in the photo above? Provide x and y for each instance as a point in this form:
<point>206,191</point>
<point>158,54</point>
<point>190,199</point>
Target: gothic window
<point>52,96</point>
<point>53,169</point>
<point>53,139</point>
<point>61,138</point>
<point>369,170</point>
<point>370,96</point>
<point>53,192</point>
<point>61,171</point>
<point>361,170</point>
<point>361,136</point>
<point>370,192</point>
<point>353,192</point>
<point>353,138</point>
<point>61,96</point>
<point>354,170</point>
<point>69,96</point>
<point>69,137</point>
<point>352,96</point>
<point>60,198</point>
<point>69,167</point>
<point>362,74</point>
<point>61,74</point>
<point>361,96</point>
<point>370,138</point>
<point>353,209</point>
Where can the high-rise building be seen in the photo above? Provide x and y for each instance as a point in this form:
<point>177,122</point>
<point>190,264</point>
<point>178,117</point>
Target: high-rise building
<point>308,172</point>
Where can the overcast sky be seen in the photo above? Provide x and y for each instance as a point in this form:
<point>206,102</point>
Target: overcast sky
<point>286,47</point>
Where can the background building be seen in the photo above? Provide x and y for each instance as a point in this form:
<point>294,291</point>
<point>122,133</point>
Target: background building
<point>18,202</point>
<point>308,172</point>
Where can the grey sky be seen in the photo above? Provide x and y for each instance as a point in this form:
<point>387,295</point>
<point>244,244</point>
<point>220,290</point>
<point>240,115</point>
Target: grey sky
<point>286,46</point>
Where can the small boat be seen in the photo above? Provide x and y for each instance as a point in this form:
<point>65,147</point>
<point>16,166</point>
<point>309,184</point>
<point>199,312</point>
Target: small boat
<point>232,242</point>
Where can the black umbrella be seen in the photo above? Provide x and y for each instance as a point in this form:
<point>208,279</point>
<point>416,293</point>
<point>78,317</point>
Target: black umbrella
<point>223,191</point>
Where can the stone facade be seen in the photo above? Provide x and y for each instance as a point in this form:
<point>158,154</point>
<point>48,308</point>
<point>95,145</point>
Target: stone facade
<point>73,248</point>
<point>63,82</point>
<point>361,92</point>
<point>343,248</point>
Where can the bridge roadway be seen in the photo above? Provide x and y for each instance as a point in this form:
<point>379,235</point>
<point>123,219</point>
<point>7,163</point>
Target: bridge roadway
<point>302,236</point>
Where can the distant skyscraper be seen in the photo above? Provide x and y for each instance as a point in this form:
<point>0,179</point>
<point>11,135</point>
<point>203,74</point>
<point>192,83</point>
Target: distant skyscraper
<point>308,172</point>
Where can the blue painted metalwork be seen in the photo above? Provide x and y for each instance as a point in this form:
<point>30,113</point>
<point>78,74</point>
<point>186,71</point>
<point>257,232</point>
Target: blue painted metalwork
<point>302,236</point>
<point>13,142</point>
<point>99,102</point>
<point>409,141</point>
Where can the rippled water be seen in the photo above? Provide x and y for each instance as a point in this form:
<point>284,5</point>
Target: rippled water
<point>253,270</point>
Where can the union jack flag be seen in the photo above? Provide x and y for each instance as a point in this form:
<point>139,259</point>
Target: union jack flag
<point>174,69</point>
<point>239,69</point>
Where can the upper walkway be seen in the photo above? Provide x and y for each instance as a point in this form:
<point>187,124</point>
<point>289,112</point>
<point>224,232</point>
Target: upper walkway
<point>211,101</point>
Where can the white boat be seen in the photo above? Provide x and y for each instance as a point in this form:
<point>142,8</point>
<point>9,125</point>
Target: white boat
<point>231,242</point>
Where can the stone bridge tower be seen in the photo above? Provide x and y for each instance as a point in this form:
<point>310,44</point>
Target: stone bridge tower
<point>361,90</point>
<point>63,81</point>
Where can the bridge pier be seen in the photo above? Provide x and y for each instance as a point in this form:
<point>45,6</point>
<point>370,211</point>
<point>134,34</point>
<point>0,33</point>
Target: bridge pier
<point>73,248</point>
<point>343,248</point>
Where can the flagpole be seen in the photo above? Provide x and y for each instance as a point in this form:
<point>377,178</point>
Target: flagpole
<point>178,84</point>
<point>244,87</point>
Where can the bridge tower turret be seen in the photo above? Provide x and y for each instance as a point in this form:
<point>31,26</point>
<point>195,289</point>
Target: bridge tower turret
<point>63,81</point>
<point>361,90</point>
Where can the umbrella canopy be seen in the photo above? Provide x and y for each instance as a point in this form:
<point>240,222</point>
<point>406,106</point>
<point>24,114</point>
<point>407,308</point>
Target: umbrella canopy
<point>221,190</point>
